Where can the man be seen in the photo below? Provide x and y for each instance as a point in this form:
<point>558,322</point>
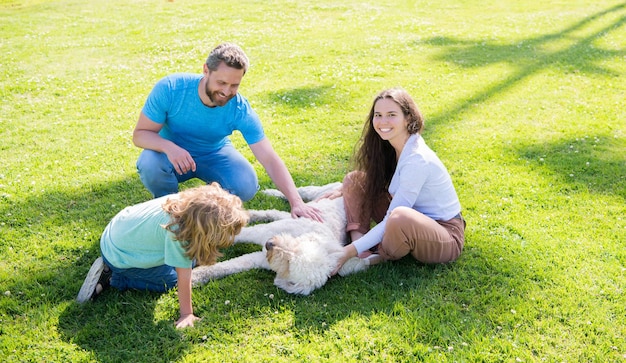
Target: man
<point>184,128</point>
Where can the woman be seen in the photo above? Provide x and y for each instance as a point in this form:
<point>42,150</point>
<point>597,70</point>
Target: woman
<point>154,245</point>
<point>401,184</point>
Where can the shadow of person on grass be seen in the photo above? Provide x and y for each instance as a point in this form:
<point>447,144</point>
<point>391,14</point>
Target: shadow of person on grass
<point>474,294</point>
<point>121,327</point>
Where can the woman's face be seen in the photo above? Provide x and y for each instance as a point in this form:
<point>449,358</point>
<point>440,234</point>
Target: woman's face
<point>389,121</point>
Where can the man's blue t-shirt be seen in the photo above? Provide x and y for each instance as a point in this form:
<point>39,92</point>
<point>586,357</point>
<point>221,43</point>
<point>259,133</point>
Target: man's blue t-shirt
<point>174,102</point>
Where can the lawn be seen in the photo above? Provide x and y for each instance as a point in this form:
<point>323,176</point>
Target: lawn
<point>524,103</point>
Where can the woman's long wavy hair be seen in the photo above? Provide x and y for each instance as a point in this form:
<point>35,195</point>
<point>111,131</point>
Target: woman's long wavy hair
<point>205,219</point>
<point>375,156</point>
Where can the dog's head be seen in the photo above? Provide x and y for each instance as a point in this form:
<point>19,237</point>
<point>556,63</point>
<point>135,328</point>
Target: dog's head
<point>300,264</point>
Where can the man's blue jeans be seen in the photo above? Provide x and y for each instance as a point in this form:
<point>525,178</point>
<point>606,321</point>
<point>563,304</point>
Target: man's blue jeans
<point>225,166</point>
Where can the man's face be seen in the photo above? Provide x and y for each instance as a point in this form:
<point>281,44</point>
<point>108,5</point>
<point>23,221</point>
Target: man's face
<point>222,84</point>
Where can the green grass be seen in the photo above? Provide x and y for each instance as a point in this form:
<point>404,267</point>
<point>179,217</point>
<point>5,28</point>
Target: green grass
<point>524,103</point>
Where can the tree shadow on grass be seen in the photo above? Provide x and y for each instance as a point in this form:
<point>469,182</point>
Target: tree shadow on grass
<point>529,57</point>
<point>593,163</point>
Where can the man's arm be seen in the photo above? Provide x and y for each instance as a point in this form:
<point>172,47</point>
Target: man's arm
<point>277,171</point>
<point>146,136</point>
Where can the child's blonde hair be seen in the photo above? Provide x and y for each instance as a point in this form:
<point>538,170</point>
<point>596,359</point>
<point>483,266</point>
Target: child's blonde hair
<point>205,219</point>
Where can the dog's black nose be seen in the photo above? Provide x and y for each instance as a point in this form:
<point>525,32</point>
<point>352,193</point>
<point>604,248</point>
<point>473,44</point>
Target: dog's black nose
<point>269,245</point>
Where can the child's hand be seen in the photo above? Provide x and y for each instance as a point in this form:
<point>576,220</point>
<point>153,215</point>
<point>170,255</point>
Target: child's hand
<point>186,320</point>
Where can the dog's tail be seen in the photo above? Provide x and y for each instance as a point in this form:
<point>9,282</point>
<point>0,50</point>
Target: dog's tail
<point>203,274</point>
<point>268,215</point>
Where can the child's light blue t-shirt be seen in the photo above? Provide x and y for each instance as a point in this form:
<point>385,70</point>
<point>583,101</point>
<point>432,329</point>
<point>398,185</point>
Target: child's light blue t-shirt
<point>174,102</point>
<point>135,237</point>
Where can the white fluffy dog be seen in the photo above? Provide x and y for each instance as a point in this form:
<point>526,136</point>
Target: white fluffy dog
<point>302,252</point>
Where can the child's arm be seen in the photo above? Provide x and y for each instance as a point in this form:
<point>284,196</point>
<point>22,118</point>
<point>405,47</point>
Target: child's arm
<point>184,298</point>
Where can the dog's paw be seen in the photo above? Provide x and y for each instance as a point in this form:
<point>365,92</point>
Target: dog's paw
<point>353,265</point>
<point>273,193</point>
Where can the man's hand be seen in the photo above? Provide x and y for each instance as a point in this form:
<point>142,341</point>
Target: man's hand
<point>304,210</point>
<point>180,159</point>
<point>146,136</point>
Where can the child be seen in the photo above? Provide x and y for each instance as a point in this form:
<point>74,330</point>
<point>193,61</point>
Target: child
<point>154,245</point>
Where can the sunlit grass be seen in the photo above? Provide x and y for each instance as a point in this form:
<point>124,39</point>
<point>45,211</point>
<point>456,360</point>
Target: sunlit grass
<point>523,103</point>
